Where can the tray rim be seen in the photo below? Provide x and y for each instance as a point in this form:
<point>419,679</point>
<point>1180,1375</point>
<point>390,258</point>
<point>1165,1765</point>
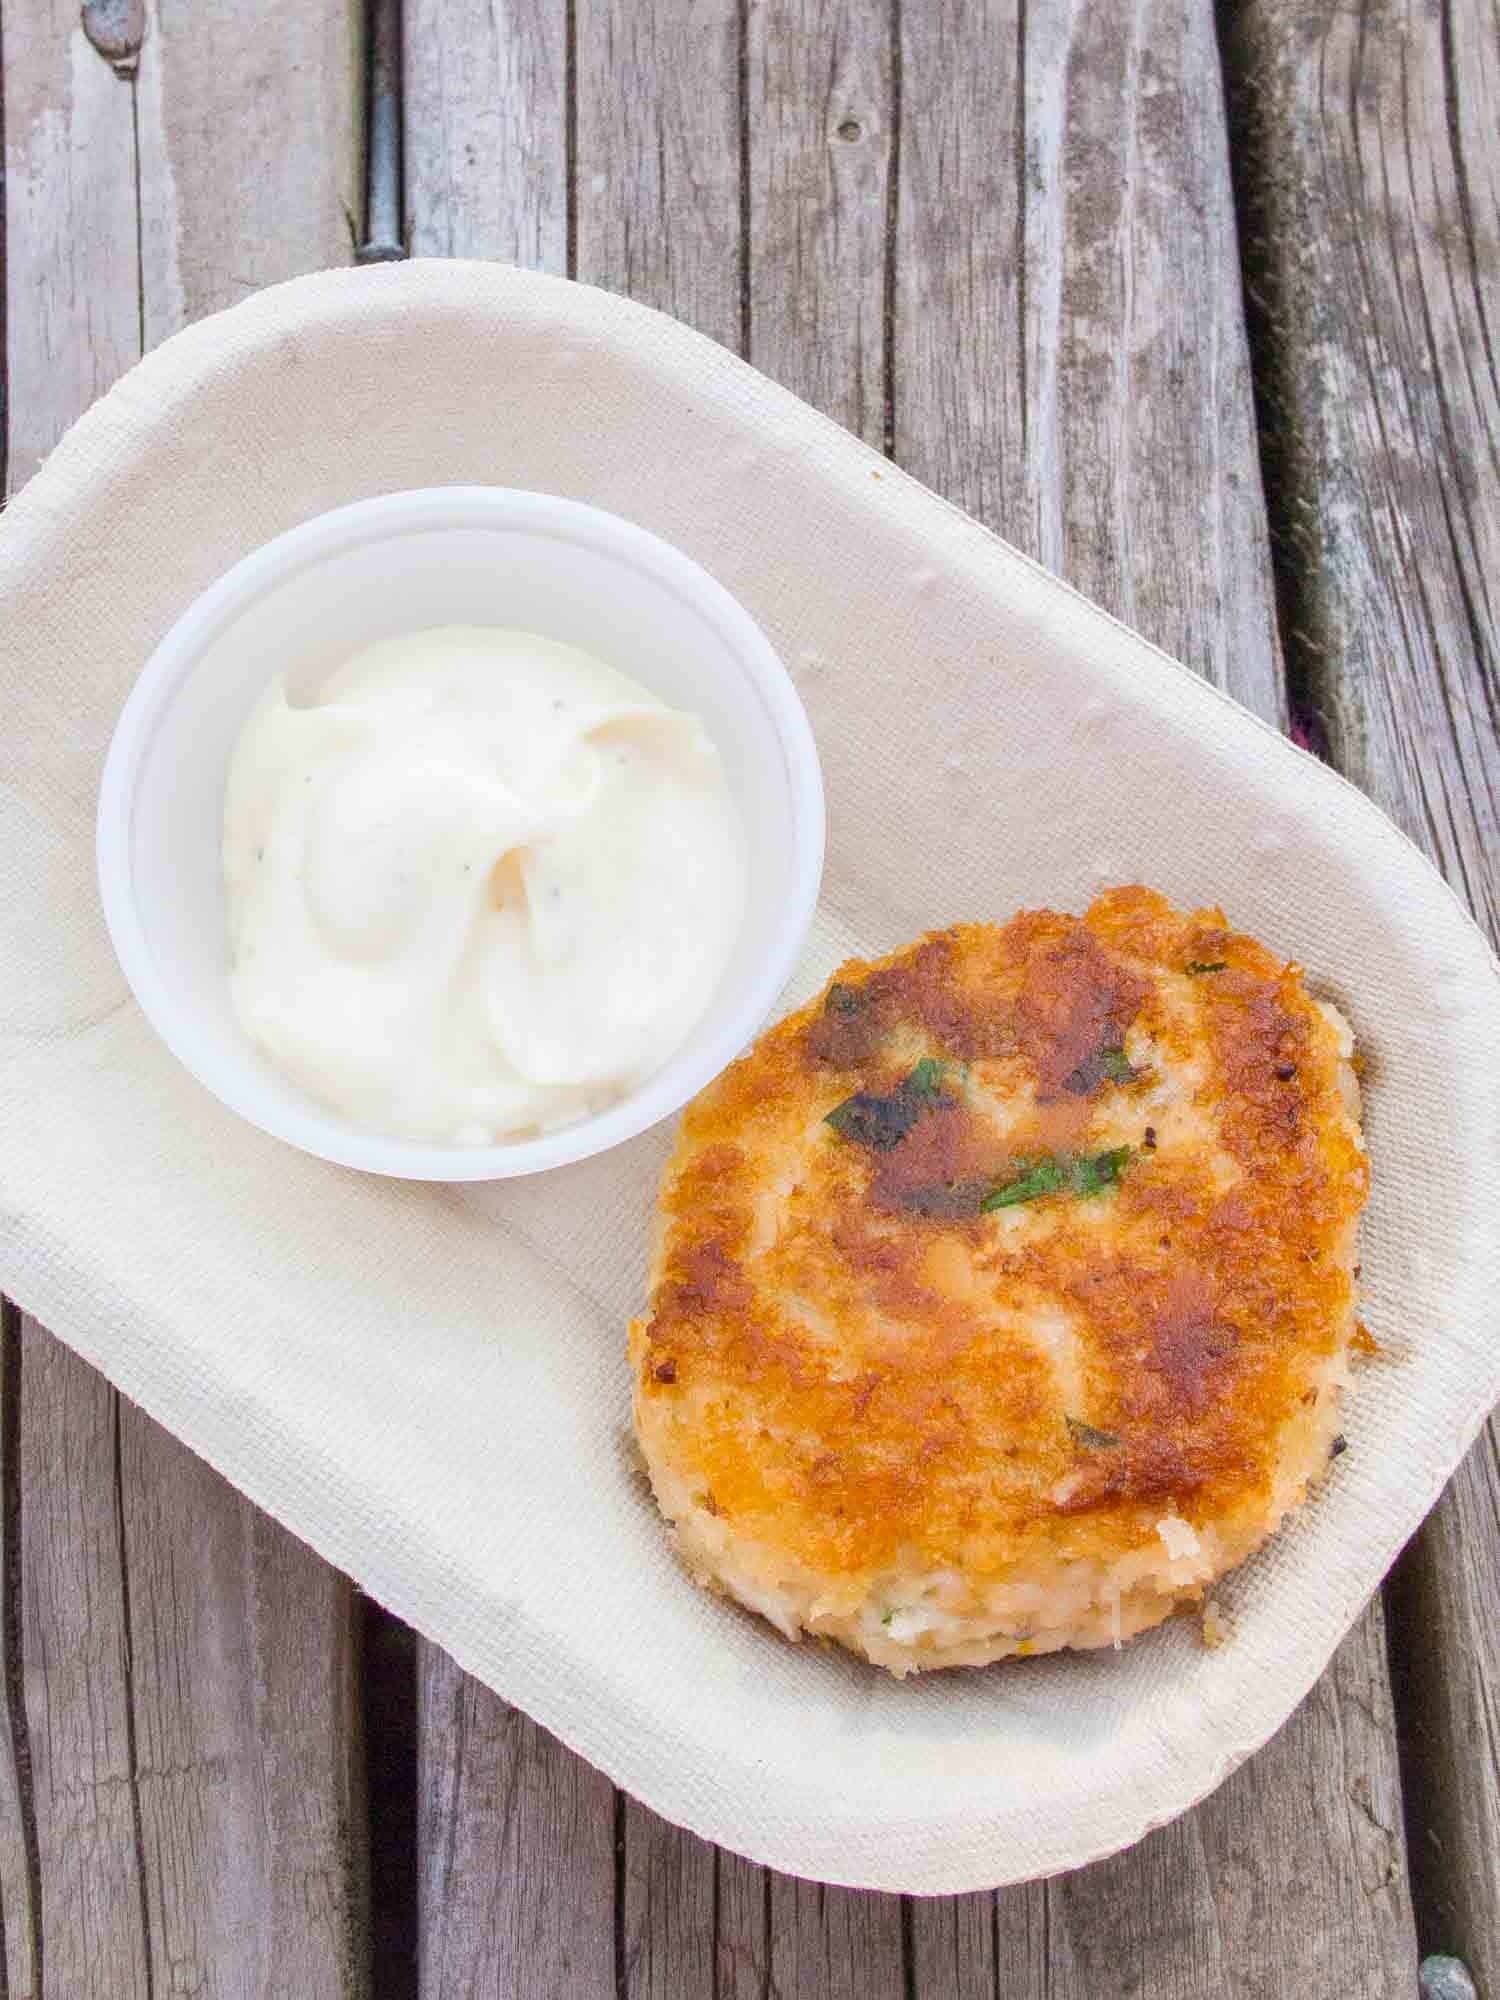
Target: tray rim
<point>131,408</point>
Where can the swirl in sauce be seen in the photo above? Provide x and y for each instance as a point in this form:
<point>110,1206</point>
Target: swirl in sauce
<point>482,885</point>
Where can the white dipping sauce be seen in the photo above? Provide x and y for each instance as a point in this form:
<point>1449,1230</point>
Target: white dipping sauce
<point>482,885</point>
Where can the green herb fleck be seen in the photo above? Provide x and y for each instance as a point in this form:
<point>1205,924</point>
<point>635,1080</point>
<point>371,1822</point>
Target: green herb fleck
<point>1043,1177</point>
<point>1195,966</point>
<point>882,1120</point>
<point>1117,1066</point>
<point>888,1616</point>
<point>1058,1173</point>
<point>1093,1172</point>
<point>1091,1439</point>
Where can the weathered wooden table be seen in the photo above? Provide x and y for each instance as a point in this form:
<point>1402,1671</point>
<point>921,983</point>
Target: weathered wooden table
<point>1200,306</point>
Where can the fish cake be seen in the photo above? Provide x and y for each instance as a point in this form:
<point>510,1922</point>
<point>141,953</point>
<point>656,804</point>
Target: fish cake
<point>1002,1297</point>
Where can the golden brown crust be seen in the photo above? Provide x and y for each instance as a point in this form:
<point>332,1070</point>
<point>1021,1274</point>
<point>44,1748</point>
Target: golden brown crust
<point>851,1365</point>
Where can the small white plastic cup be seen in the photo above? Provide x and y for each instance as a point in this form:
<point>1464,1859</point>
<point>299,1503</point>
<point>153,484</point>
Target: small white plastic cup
<point>457,555</point>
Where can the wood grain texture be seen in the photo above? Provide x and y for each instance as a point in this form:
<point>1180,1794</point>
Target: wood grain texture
<point>186,1683</point>
<point>957,1951</point>
<point>1372,169</point>
<point>251,1815</point>
<point>185,1673</point>
<point>72,1632</point>
<point>516,1885</point>
<point>671,1884</point>
<point>249,145</point>
<point>657,172</point>
<point>486,161</point>
<point>1070,359</point>
<point>72,305</point>
<point>846,1944</point>
<point>820,110</point>
<point>743,1926</point>
<point>1287,1881</point>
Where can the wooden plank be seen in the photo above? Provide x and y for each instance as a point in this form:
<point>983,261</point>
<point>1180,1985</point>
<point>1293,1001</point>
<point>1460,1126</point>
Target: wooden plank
<point>243,1691</point>
<point>249,133</point>
<point>516,1844</point>
<point>186,1684</point>
<point>657,172</point>
<point>186,1786</point>
<point>70,1632</point>
<point>1070,356</point>
<point>845,1943</point>
<point>742,1929</point>
<point>486,159</point>
<point>1071,366</point>
<point>1368,132</point>
<point>1234,1898</point>
<point>820,106</point>
<point>670,1888</point>
<point>776,1934</point>
<point>72,317</point>
<point>959,1954</point>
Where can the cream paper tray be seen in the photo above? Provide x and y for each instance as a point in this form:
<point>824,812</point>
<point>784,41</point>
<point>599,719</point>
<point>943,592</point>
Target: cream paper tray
<point>428,1384</point>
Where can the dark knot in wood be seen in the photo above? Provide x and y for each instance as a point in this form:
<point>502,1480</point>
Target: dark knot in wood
<point>116,28</point>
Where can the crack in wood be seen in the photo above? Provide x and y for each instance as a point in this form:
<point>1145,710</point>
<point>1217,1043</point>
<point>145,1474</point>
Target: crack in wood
<point>742,79</point>
<point>385,236</point>
<point>11,1639</point>
<point>890,298</point>
<point>1284,477</point>
<point>127,1650</point>
<point>621,1942</point>
<point>570,136</point>
<point>4,299</point>
<point>390,1721</point>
